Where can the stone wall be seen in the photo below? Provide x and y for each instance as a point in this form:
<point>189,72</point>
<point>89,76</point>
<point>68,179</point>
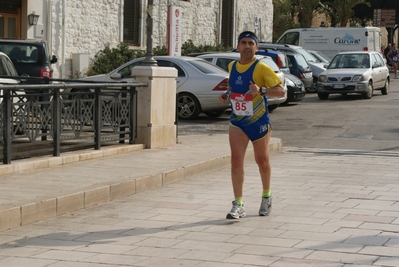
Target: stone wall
<point>90,25</point>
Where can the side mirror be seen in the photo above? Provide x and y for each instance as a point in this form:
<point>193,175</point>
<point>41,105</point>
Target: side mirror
<point>54,59</point>
<point>116,76</point>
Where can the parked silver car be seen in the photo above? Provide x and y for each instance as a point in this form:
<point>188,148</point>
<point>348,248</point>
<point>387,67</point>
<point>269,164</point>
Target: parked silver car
<point>223,59</point>
<point>7,69</point>
<point>359,72</point>
<point>199,83</point>
<point>320,56</point>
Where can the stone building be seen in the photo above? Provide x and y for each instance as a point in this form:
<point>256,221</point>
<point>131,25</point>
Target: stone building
<point>76,30</point>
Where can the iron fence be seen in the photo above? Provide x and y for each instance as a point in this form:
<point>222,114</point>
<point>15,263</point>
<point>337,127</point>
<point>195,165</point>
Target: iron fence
<point>45,119</point>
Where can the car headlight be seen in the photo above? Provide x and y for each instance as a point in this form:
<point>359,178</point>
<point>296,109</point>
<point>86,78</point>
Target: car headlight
<point>289,82</point>
<point>322,78</point>
<point>358,78</point>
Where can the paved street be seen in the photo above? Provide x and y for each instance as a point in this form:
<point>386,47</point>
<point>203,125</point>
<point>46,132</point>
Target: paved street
<point>330,208</point>
<point>167,207</point>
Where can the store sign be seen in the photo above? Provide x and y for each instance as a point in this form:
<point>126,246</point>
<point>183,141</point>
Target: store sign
<point>174,30</point>
<point>384,17</point>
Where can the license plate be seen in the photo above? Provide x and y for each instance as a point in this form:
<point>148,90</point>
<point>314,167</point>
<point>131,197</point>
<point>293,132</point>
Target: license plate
<point>338,86</point>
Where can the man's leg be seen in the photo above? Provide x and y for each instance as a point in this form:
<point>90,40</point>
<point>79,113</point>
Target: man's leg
<point>261,150</point>
<point>238,145</point>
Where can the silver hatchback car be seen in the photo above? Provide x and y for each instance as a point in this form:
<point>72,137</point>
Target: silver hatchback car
<point>355,72</point>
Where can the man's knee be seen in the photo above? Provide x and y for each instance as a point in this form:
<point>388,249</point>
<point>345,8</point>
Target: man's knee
<point>262,161</point>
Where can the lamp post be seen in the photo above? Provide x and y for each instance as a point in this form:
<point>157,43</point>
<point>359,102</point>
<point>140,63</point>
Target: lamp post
<point>149,60</point>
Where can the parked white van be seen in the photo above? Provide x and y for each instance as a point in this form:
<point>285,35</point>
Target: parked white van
<point>331,41</point>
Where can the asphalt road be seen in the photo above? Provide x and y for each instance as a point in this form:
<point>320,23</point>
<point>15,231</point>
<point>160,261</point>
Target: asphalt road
<point>341,122</point>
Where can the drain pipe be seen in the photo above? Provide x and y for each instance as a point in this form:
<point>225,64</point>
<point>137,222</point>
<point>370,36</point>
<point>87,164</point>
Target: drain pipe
<point>121,18</point>
<point>63,40</point>
<point>49,27</point>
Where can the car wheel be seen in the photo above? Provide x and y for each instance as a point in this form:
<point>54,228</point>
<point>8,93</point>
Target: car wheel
<point>369,93</point>
<point>272,107</point>
<point>385,89</point>
<point>313,89</point>
<point>188,107</point>
<point>323,96</point>
<point>214,113</point>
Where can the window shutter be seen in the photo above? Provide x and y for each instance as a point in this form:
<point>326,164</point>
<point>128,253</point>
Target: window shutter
<point>131,22</point>
<point>227,23</point>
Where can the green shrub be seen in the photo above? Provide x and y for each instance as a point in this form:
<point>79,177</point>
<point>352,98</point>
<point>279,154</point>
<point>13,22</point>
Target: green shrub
<point>109,59</point>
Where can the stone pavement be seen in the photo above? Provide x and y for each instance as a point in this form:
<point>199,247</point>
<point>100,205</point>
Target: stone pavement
<point>45,187</point>
<point>330,208</point>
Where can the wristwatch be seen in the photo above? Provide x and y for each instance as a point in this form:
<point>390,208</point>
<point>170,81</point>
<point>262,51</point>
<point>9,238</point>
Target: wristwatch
<point>263,90</point>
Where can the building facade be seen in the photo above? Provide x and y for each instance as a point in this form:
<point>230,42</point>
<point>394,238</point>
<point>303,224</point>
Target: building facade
<point>76,30</point>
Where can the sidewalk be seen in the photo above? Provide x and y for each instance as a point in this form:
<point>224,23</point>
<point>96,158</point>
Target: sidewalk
<point>330,208</point>
<point>81,179</point>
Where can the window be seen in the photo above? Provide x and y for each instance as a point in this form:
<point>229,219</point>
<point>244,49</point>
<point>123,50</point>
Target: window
<point>379,59</point>
<point>126,72</point>
<point>375,62</point>
<point>224,63</point>
<point>227,23</point>
<point>290,38</point>
<point>131,22</point>
<point>165,63</point>
<point>9,25</point>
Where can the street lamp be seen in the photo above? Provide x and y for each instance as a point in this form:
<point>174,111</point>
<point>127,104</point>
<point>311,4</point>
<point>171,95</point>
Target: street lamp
<point>149,60</point>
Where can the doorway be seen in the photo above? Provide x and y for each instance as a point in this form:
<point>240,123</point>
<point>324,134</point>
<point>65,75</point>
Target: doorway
<point>10,19</point>
<point>9,25</point>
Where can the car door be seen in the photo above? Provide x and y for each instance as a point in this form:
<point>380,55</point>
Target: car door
<point>377,71</point>
<point>383,69</point>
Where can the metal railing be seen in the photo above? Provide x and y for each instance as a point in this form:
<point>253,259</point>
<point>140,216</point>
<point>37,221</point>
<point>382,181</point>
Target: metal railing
<point>45,119</point>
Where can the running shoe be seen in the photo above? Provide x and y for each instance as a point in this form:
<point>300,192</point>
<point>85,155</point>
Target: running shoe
<point>265,206</point>
<point>236,212</point>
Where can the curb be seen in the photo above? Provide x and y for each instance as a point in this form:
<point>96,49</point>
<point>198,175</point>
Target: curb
<point>45,209</point>
<point>26,165</point>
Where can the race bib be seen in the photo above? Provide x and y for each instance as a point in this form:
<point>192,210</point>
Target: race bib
<point>241,104</point>
<point>395,59</point>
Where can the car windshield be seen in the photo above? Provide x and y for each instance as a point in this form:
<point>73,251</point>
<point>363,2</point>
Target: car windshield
<point>350,61</point>
<point>270,63</point>
<point>309,57</point>
<point>303,65</point>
